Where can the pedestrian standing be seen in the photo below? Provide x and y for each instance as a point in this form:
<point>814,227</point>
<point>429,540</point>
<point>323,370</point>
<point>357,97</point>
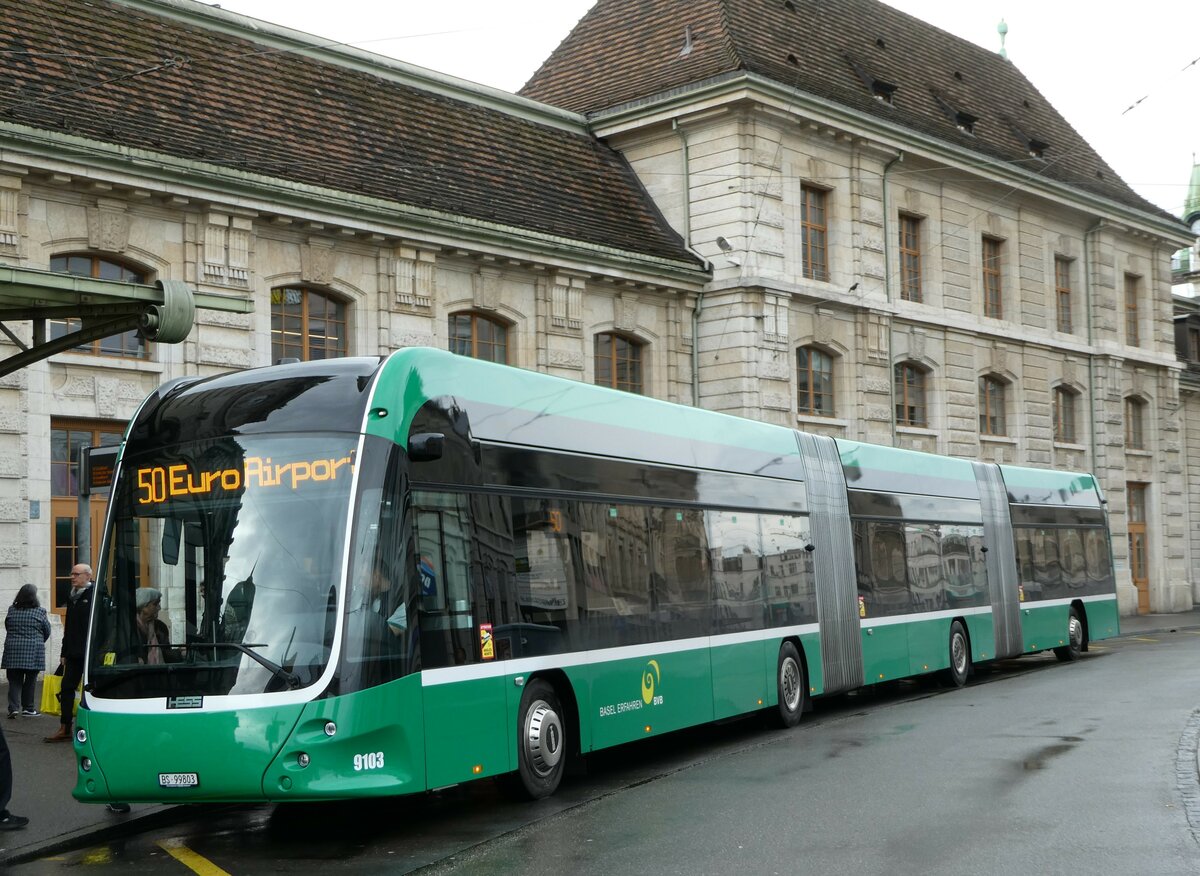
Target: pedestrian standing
<point>74,645</point>
<point>8,821</point>
<point>27,628</point>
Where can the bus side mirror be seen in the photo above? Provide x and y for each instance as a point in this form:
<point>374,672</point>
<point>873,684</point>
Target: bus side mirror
<point>426,446</point>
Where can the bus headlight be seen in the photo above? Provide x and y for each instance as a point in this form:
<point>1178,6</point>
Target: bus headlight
<point>302,759</point>
<point>85,764</point>
<point>81,736</point>
<point>330,728</point>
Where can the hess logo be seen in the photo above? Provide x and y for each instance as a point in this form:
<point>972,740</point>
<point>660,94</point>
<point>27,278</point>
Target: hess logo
<point>651,677</point>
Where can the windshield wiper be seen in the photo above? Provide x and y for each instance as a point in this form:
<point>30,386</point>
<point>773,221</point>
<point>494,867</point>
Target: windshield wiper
<point>290,678</point>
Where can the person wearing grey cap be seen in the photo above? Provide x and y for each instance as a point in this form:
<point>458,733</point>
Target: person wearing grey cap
<point>154,635</point>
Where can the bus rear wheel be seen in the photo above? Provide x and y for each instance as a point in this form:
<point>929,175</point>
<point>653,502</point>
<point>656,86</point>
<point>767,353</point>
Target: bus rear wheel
<point>960,656</point>
<point>541,741</point>
<point>1074,646</point>
<point>792,686</point>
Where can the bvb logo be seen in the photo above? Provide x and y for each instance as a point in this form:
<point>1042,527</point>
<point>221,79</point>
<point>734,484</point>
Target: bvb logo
<point>650,680</point>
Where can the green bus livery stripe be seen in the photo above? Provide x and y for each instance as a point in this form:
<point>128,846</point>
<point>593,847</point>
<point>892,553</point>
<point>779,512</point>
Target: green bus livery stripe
<point>892,619</point>
<point>525,665</point>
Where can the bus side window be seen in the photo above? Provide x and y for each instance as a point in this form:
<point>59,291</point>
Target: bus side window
<point>683,580</point>
<point>882,568</point>
<point>791,595</point>
<point>736,546</point>
<point>546,549</point>
<point>430,573</point>
<point>443,537</point>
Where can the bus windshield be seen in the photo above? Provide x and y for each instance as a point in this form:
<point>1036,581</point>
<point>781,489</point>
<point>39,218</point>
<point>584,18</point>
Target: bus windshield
<point>222,567</point>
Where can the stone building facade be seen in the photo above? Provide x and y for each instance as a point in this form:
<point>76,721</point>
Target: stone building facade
<point>587,262</point>
<point>761,249</point>
<point>1065,383</point>
<point>906,210</point>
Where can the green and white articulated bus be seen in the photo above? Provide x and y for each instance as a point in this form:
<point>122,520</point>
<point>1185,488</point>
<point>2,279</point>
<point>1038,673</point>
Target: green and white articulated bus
<point>383,576</point>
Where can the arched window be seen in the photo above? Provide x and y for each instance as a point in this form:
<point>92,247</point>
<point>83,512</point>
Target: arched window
<point>993,400</point>
<point>477,336</point>
<point>126,345</point>
<point>911,406</point>
<point>814,382</point>
<point>1135,424</point>
<point>1065,402</point>
<point>618,362</point>
<point>306,324</point>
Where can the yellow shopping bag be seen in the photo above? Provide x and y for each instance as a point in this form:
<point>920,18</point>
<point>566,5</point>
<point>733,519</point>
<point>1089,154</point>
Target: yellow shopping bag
<point>51,688</point>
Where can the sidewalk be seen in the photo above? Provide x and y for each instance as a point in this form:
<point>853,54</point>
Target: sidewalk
<point>44,774</point>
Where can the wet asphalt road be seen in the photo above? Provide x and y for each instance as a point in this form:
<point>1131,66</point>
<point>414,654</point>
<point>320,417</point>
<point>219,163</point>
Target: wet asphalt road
<point>1036,767</point>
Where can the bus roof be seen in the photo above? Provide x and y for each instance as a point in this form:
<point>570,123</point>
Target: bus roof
<point>508,404</point>
<point>893,469</point>
<point>1039,486</point>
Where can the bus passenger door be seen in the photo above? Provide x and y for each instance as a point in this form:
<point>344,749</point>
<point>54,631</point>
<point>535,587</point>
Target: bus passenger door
<point>465,701</point>
<point>884,599</point>
<point>739,651</point>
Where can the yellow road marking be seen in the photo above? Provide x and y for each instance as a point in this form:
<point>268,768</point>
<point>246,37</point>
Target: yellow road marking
<point>196,863</point>
<point>97,856</point>
<point>1143,639</point>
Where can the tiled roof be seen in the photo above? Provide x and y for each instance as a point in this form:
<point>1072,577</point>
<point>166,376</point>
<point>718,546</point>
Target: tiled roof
<point>96,70</point>
<point>626,50</point>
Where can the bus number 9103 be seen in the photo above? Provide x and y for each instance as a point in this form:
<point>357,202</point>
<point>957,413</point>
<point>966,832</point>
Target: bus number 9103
<point>370,761</point>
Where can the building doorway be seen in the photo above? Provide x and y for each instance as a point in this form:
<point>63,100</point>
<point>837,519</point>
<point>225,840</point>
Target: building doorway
<point>66,437</point>
<point>1138,570</point>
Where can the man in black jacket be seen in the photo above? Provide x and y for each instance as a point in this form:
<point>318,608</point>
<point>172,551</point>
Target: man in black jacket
<point>8,820</point>
<point>74,645</point>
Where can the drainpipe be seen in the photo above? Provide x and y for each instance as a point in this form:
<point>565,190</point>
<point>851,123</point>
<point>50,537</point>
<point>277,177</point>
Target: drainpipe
<point>687,241</point>
<point>1091,362</point>
<point>887,292</point>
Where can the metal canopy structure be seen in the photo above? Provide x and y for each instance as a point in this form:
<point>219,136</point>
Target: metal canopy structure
<point>164,312</point>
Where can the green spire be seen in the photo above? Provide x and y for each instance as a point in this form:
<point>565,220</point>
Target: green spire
<point>1191,204</point>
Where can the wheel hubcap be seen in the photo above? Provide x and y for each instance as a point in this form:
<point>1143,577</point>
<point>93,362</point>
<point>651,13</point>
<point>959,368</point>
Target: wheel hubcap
<point>789,684</point>
<point>543,738</point>
<point>958,653</point>
<point>1075,632</point>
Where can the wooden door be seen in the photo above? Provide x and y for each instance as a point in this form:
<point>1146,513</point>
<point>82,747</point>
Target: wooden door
<point>1138,568</point>
<point>66,437</point>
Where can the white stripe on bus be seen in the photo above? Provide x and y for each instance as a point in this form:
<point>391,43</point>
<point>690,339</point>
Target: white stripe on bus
<point>888,620</point>
<point>525,665</point>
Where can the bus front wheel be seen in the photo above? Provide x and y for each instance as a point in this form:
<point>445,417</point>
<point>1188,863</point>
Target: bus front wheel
<point>960,655</point>
<point>1074,646</point>
<point>792,687</point>
<point>541,740</point>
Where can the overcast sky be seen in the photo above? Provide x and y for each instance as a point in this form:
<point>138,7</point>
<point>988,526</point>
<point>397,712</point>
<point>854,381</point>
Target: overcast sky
<point>1126,77</point>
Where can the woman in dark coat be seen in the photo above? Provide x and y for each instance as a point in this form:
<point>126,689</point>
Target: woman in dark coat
<point>27,629</point>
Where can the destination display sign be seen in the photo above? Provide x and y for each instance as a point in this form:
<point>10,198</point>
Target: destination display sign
<point>158,483</point>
